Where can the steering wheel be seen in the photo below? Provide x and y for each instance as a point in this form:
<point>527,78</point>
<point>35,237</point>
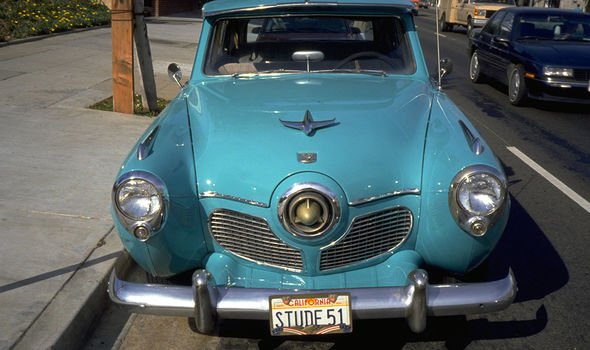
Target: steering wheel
<point>374,54</point>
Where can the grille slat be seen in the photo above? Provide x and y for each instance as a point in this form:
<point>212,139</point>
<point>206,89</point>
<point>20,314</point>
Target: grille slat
<point>368,237</point>
<point>250,237</point>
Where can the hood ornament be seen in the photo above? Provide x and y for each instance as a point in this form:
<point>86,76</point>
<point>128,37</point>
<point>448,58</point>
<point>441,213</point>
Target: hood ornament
<point>308,125</point>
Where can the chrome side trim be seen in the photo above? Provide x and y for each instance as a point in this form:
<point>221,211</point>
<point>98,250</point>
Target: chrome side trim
<point>145,146</point>
<point>212,194</point>
<point>414,302</point>
<point>473,142</point>
<point>366,200</point>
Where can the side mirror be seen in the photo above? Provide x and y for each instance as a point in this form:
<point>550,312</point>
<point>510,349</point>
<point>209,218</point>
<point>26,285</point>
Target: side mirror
<point>175,73</point>
<point>446,67</point>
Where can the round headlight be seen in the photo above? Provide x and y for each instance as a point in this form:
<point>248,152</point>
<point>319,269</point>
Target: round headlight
<point>480,194</point>
<point>138,199</point>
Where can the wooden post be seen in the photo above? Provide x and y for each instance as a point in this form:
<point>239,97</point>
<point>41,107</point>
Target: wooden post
<point>144,56</point>
<point>122,39</point>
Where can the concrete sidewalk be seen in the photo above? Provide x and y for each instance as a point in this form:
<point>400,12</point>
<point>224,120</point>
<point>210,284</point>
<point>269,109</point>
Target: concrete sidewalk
<point>58,161</point>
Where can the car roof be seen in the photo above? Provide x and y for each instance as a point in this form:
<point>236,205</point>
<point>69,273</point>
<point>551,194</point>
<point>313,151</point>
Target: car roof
<point>217,7</point>
<point>542,10</point>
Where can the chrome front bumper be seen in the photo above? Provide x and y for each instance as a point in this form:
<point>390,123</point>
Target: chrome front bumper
<point>414,302</point>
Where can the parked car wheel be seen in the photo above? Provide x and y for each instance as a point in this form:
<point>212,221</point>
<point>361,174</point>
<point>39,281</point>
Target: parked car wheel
<point>475,69</point>
<point>517,90</point>
<point>469,26</point>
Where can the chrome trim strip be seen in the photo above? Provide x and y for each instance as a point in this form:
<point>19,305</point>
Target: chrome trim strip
<point>366,200</point>
<point>145,147</point>
<point>213,194</point>
<point>414,302</point>
<point>473,142</point>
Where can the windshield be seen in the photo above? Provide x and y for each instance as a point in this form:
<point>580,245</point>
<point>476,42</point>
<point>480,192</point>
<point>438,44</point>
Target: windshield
<point>555,27</point>
<point>373,45</point>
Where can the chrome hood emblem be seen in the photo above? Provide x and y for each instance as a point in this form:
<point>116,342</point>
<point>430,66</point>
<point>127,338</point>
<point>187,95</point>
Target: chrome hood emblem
<point>308,125</point>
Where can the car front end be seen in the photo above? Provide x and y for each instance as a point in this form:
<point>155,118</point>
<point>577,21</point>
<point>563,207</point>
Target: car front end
<point>310,184</point>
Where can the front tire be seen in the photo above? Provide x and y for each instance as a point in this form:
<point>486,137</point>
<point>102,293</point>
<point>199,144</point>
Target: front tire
<point>475,68</point>
<point>469,26</point>
<point>517,90</point>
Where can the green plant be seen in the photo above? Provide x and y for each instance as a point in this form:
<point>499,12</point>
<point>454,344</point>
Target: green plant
<point>107,105</point>
<point>24,18</point>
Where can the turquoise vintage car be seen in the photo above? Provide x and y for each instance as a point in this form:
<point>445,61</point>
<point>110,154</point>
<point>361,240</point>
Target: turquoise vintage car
<point>310,173</point>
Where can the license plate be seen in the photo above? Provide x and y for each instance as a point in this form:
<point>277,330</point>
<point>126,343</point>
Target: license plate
<point>310,314</point>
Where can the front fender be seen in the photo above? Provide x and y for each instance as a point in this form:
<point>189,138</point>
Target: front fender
<point>441,241</point>
<point>179,243</point>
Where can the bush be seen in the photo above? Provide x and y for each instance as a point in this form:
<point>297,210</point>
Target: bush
<point>24,18</point>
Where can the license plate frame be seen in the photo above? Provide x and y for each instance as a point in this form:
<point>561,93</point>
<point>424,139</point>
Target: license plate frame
<point>310,314</point>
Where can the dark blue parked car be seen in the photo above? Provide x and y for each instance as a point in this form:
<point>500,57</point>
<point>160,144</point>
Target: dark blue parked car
<point>539,53</point>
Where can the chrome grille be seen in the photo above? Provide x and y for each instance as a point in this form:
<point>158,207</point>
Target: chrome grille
<point>582,74</point>
<point>369,236</point>
<point>250,238</point>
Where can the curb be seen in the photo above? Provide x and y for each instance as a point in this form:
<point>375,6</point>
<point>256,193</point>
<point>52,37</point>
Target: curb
<point>78,306</point>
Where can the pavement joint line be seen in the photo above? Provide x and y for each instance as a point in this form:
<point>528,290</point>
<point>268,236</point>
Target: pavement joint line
<point>75,216</point>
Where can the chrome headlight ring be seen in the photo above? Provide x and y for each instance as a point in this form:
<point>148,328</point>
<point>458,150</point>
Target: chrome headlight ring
<point>139,202</point>
<point>477,195</point>
<point>308,210</point>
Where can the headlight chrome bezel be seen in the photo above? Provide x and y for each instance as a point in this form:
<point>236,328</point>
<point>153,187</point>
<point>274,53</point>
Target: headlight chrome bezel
<point>472,221</point>
<point>141,227</point>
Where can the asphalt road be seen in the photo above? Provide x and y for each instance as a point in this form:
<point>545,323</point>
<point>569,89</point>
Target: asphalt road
<point>545,149</point>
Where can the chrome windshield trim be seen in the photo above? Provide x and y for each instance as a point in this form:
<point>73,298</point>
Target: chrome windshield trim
<point>212,194</point>
<point>366,200</point>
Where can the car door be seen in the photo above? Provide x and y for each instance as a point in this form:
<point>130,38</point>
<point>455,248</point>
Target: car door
<point>501,48</point>
<point>485,44</point>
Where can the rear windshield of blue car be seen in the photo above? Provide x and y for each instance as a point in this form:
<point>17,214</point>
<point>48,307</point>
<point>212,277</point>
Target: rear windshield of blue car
<point>303,43</point>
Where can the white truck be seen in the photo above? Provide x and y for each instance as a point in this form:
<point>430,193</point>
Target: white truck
<point>468,13</point>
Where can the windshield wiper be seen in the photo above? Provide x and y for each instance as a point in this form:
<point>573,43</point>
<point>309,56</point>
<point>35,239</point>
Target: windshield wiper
<point>355,71</point>
<point>270,71</point>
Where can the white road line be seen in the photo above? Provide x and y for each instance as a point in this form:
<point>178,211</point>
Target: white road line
<point>552,179</point>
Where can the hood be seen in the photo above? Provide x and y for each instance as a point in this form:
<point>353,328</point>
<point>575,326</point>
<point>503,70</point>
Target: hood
<point>374,145</point>
<point>562,53</point>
